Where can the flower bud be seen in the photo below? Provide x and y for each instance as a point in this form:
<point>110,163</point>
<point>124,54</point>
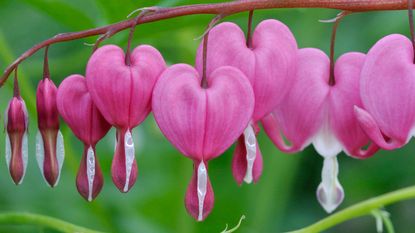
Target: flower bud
<point>49,141</point>
<point>16,124</point>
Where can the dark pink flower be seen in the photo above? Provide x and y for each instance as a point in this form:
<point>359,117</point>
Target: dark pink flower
<point>202,122</point>
<point>86,122</point>
<point>122,93</point>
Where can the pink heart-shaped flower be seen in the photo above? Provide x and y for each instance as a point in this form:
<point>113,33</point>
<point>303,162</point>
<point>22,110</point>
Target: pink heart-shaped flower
<point>315,112</point>
<point>86,122</point>
<point>122,94</point>
<point>269,64</point>
<point>387,89</point>
<point>202,123</point>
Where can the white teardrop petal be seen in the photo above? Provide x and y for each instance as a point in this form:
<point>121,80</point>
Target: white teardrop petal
<point>330,193</point>
<point>8,151</point>
<point>129,157</point>
<point>25,155</point>
<point>201,188</point>
<point>90,171</point>
<point>60,154</point>
<point>250,145</point>
<point>40,153</point>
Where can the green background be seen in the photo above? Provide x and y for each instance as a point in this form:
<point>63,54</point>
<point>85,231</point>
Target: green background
<point>283,199</point>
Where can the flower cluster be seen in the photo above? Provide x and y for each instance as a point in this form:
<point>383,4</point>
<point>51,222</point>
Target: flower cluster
<point>237,84</point>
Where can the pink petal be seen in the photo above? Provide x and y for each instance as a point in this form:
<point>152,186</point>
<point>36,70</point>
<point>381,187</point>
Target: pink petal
<point>302,114</point>
<point>387,90</point>
<point>202,123</point>
<point>123,93</point>
<point>179,107</point>
<point>77,109</point>
<point>370,127</point>
<point>268,64</point>
<point>343,96</point>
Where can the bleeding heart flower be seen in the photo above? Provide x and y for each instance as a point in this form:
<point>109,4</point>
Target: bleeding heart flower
<point>86,122</point>
<point>50,151</point>
<point>16,123</point>
<point>318,113</point>
<point>268,64</point>
<point>202,123</point>
<point>387,89</point>
<point>122,94</point>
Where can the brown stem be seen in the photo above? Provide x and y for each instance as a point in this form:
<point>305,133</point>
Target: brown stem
<point>227,8</point>
<point>249,33</point>
<point>130,36</point>
<point>332,80</point>
<point>46,73</point>
<point>411,25</point>
<point>16,90</point>
<point>205,50</point>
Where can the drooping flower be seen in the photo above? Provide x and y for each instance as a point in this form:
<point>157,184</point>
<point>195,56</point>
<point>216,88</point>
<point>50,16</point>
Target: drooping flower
<point>16,123</point>
<point>387,89</point>
<point>202,122</point>
<point>122,94</point>
<point>268,64</point>
<point>86,122</point>
<point>49,140</point>
<point>322,114</point>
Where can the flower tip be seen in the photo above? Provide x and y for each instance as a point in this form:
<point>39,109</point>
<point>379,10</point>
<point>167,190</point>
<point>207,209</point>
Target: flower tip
<point>199,195</point>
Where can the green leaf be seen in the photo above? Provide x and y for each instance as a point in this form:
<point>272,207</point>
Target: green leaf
<point>63,13</point>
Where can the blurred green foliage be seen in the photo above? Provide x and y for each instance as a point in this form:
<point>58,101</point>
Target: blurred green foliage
<point>284,199</point>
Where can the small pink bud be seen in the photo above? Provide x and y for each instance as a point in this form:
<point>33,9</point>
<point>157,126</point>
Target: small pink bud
<point>49,140</point>
<point>86,122</point>
<point>16,124</point>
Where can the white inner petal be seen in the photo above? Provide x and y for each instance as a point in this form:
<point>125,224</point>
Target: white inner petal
<point>60,153</point>
<point>8,151</point>
<point>90,171</point>
<point>40,153</point>
<point>201,188</point>
<point>129,157</point>
<point>25,153</point>
<point>325,142</point>
<point>330,193</point>
<point>250,145</point>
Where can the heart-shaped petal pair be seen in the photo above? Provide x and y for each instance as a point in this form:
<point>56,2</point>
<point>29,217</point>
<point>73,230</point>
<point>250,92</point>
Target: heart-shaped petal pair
<point>202,123</point>
<point>123,94</point>
<point>86,122</point>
